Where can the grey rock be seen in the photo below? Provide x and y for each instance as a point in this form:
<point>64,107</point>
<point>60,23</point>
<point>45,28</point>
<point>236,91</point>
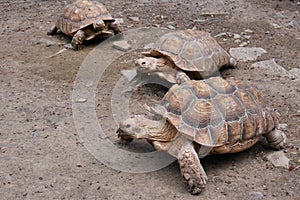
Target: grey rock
<point>246,53</point>
<point>129,74</point>
<point>122,45</point>
<point>270,67</point>
<point>295,72</point>
<point>278,159</point>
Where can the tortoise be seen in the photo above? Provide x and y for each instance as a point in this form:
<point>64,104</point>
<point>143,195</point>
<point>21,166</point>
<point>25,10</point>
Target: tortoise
<point>202,117</point>
<point>194,52</point>
<point>84,20</point>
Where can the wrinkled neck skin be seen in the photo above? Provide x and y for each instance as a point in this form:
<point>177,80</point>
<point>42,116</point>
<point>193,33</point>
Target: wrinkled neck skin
<point>164,132</point>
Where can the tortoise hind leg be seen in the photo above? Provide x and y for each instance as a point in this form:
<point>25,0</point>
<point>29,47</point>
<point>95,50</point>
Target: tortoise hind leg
<point>276,139</point>
<point>52,31</point>
<point>78,39</point>
<point>191,169</point>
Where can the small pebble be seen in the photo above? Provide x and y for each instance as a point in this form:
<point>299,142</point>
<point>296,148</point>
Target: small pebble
<point>291,24</point>
<point>247,37</point>
<point>236,36</point>
<point>135,19</point>
<point>171,27</point>
<point>278,159</point>
<point>81,100</point>
<point>248,31</point>
<point>220,35</point>
<point>243,44</point>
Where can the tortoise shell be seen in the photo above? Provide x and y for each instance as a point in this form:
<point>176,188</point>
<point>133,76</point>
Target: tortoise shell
<point>80,15</point>
<point>192,51</point>
<point>216,112</point>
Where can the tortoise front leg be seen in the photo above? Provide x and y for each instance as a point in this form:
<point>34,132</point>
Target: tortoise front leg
<point>189,162</point>
<point>78,39</point>
<point>191,169</point>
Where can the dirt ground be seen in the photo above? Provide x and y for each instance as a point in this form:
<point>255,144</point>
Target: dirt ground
<point>42,156</point>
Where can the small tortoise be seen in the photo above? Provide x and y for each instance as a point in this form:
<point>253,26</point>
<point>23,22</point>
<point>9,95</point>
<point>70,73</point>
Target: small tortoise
<point>202,117</point>
<point>84,20</point>
<point>194,52</point>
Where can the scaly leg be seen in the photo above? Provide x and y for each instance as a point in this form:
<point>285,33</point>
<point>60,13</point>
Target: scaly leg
<point>276,139</point>
<point>78,39</point>
<point>191,169</point>
<point>189,162</point>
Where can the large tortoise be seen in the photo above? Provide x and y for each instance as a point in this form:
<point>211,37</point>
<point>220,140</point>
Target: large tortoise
<point>201,117</point>
<point>84,20</point>
<point>194,52</point>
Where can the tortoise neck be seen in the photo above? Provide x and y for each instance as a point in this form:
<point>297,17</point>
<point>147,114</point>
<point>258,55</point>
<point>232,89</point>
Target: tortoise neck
<point>162,131</point>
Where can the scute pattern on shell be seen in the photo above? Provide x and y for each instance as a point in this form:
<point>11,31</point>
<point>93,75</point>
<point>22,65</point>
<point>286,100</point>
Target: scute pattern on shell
<point>215,111</point>
<point>192,50</point>
<point>81,14</point>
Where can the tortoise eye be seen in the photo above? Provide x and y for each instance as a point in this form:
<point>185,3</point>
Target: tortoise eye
<point>143,63</point>
<point>127,125</point>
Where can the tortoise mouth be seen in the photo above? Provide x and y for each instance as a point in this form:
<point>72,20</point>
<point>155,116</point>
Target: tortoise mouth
<point>125,137</point>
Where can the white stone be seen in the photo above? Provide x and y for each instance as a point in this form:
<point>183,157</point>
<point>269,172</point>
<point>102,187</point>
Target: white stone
<point>248,31</point>
<point>236,36</point>
<point>171,27</point>
<point>275,25</point>
<point>81,100</point>
<point>129,73</point>
<point>246,53</point>
<point>122,45</point>
<point>243,44</point>
<point>278,159</point>
<point>221,35</point>
<point>135,19</point>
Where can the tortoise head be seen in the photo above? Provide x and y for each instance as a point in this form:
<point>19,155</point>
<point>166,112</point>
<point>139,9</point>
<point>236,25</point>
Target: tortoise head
<point>149,64</point>
<point>99,25</point>
<point>140,127</point>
